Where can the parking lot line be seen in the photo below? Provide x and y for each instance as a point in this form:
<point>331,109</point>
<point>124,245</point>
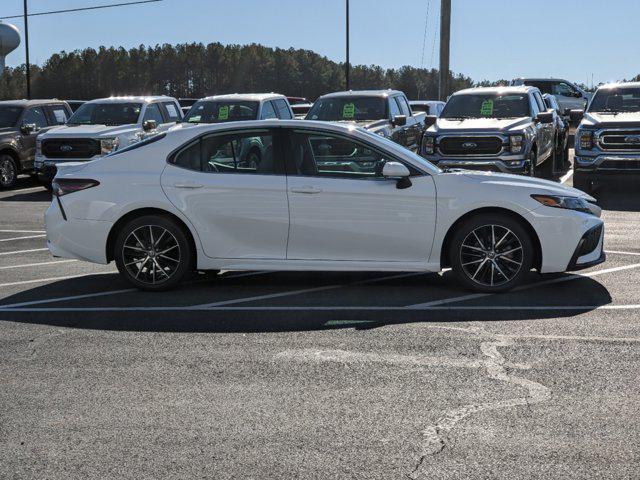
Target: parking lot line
<point>566,176</point>
<point>21,238</point>
<point>22,231</point>
<point>37,264</point>
<point>24,251</point>
<point>52,279</point>
<point>623,253</point>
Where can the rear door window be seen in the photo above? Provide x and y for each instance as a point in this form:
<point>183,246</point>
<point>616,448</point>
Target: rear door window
<point>172,111</point>
<point>153,113</point>
<point>267,111</point>
<point>283,109</point>
<point>58,114</point>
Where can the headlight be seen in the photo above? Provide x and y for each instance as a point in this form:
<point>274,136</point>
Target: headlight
<point>584,139</point>
<point>38,146</point>
<point>429,145</point>
<point>558,201</point>
<point>516,143</point>
<point>108,145</point>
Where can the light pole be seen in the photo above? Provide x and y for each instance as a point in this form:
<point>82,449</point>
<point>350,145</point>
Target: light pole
<point>346,67</point>
<point>26,46</point>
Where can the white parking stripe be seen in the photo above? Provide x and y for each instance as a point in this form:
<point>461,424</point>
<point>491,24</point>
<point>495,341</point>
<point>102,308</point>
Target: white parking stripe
<point>52,279</point>
<point>21,238</point>
<point>24,251</point>
<point>622,253</point>
<point>22,231</point>
<point>37,264</point>
<point>566,176</point>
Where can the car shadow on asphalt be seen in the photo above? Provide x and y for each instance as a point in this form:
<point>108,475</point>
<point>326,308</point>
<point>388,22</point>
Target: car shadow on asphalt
<point>621,197</point>
<point>37,196</point>
<point>167,312</point>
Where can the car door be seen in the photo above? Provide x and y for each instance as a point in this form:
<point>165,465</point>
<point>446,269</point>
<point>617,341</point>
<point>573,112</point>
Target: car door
<point>342,209</point>
<point>547,130</point>
<point>239,208</point>
<point>37,117</point>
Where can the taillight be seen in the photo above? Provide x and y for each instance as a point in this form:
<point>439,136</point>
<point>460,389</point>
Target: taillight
<point>64,186</point>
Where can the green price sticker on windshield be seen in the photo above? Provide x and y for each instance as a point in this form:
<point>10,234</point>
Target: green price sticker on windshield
<point>223,112</point>
<point>487,108</point>
<point>349,110</point>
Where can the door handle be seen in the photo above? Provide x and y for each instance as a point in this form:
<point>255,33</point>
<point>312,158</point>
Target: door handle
<point>308,189</point>
<point>187,185</point>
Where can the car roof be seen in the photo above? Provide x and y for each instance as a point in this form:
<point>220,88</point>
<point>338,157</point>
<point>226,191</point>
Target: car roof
<point>362,93</point>
<point>28,103</point>
<point>424,102</point>
<point>132,98</point>
<point>541,79</point>
<point>513,89</point>
<point>620,85</point>
<point>255,97</point>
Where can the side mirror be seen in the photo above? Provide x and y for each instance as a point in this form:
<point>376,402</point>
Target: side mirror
<point>149,125</point>
<point>430,120</point>
<point>397,171</point>
<point>399,120</point>
<point>545,117</point>
<point>575,116</point>
<point>28,128</point>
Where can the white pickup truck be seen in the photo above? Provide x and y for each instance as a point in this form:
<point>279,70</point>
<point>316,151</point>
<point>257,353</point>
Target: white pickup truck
<point>102,126</point>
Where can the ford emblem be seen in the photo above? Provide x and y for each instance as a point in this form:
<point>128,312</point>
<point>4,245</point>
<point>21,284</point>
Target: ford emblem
<point>469,145</point>
<point>632,139</point>
<point>66,148</point>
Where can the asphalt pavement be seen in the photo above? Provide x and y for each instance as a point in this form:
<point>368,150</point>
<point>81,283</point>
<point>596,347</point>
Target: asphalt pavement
<point>261,375</point>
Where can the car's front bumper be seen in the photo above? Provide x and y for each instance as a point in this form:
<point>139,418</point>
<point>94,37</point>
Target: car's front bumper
<point>608,168</point>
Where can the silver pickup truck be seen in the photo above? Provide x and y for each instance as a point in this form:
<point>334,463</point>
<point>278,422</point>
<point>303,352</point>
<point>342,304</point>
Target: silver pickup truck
<point>502,129</point>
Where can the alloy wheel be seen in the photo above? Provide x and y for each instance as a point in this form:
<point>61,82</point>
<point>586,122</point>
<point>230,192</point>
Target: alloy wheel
<point>491,255</point>
<point>151,254</point>
<point>7,171</point>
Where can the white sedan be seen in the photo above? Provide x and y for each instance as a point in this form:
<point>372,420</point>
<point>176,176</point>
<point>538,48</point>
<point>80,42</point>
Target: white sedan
<point>322,197</point>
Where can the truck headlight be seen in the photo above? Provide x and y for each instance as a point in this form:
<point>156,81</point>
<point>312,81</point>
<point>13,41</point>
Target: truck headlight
<point>429,145</point>
<point>584,139</point>
<point>516,143</point>
<point>38,146</point>
<point>559,201</point>
<point>108,145</point>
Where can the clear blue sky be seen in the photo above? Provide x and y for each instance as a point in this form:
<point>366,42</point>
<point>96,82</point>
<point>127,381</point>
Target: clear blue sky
<point>491,39</point>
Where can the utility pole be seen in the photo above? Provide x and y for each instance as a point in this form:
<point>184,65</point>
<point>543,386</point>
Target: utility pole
<point>445,41</point>
<point>346,67</point>
<point>26,45</point>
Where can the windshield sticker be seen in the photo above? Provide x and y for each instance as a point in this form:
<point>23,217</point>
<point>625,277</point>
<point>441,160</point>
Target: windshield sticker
<point>349,110</point>
<point>487,108</point>
<point>195,118</point>
<point>223,112</point>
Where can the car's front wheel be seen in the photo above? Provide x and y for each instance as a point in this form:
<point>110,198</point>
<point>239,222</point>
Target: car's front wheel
<point>8,171</point>
<point>491,253</point>
<point>153,253</point>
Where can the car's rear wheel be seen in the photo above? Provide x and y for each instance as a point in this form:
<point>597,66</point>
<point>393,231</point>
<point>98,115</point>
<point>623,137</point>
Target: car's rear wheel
<point>153,253</point>
<point>491,253</point>
<point>8,171</point>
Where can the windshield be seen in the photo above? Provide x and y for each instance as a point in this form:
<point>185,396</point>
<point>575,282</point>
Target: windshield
<point>211,111</point>
<point>616,100</point>
<point>106,114</point>
<point>349,108</point>
<point>9,116</point>
<point>487,105</point>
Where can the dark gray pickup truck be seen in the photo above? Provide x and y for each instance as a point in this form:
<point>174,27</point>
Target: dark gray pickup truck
<point>385,112</point>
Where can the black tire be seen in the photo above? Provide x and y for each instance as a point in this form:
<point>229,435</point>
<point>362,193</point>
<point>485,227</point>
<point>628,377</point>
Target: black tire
<point>159,267</point>
<point>532,159</point>
<point>582,182</point>
<point>500,271</point>
<point>8,171</point>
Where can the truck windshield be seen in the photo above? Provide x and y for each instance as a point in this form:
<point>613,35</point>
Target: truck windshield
<point>616,100</point>
<point>487,105</point>
<point>211,111</point>
<point>9,116</point>
<point>349,108</point>
<point>106,114</point>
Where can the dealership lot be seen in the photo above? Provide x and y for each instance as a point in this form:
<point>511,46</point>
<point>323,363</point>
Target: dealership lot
<point>327,375</point>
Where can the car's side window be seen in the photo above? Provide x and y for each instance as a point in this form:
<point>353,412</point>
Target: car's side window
<point>564,90</point>
<point>58,114</point>
<point>394,109</point>
<point>153,113</point>
<point>540,102</point>
<point>404,106</point>
<point>283,110</point>
<point>35,116</point>
<point>173,113</point>
<point>321,154</point>
<point>239,152</point>
<point>267,111</point>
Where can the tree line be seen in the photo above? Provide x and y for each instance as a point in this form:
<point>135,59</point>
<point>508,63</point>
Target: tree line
<point>196,70</point>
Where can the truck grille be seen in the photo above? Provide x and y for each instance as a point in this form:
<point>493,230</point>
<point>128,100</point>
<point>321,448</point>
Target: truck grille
<point>620,164</point>
<point>627,140</point>
<point>70,147</point>
<point>470,145</point>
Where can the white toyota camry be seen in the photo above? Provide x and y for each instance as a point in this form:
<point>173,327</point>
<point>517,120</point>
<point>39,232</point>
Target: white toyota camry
<point>302,195</point>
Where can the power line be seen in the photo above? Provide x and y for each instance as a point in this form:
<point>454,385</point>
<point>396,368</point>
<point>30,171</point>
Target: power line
<point>424,35</point>
<point>82,9</point>
<point>436,29</point>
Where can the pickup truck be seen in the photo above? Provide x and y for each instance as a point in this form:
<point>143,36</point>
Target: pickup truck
<point>20,123</point>
<point>385,112</point>
<point>500,129</point>
<point>569,95</point>
<point>102,126</point>
<point>607,141</point>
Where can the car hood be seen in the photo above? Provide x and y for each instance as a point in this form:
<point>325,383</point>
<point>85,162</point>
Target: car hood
<point>536,185</point>
<point>93,131</point>
<point>609,119</point>
<point>444,125</point>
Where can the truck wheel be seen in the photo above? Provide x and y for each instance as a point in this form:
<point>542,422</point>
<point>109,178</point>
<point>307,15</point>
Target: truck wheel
<point>8,171</point>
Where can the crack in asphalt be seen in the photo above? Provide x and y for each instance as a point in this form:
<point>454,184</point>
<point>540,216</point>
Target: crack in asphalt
<point>434,436</point>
